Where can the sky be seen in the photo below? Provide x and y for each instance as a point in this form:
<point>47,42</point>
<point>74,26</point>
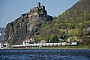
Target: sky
<point>12,9</point>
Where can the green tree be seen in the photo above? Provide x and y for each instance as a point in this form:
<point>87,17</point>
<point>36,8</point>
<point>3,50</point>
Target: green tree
<point>57,25</point>
<point>41,12</point>
<point>38,38</point>
<point>88,31</point>
<point>81,25</point>
<point>54,38</point>
<point>37,11</point>
<point>87,42</point>
<point>47,27</point>
<point>74,32</point>
<point>61,32</point>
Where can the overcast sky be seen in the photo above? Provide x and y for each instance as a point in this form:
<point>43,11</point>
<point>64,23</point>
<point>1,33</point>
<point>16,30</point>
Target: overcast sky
<point>12,9</point>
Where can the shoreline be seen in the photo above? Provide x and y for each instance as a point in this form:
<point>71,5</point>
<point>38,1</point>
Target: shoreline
<point>49,49</point>
<point>60,47</point>
<point>80,47</point>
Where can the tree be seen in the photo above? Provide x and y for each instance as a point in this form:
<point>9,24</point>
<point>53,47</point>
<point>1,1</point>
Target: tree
<point>81,25</point>
<point>74,32</point>
<point>37,11</point>
<point>87,42</point>
<point>54,38</point>
<point>61,32</point>
<point>41,12</point>
<point>38,38</point>
<point>47,26</point>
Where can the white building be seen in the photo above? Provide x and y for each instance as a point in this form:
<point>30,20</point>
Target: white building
<point>6,45</point>
<point>28,41</point>
<point>42,41</point>
<point>1,44</point>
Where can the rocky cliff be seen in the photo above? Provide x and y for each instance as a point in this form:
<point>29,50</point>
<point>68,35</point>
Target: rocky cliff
<point>27,25</point>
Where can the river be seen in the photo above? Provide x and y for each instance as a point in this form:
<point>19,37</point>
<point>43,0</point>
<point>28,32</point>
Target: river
<point>44,54</point>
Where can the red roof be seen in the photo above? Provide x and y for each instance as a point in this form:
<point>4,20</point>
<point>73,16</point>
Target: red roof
<point>26,39</point>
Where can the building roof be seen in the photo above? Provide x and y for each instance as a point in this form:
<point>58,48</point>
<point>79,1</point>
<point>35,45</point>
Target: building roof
<point>26,39</point>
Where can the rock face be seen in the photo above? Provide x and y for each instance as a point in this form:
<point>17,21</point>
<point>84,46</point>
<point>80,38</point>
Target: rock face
<point>27,25</point>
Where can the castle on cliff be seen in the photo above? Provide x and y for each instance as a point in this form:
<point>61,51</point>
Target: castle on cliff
<point>27,25</point>
<point>36,11</point>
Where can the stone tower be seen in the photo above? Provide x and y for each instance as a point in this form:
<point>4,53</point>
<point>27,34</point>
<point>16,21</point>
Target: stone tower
<point>43,7</point>
<point>39,4</point>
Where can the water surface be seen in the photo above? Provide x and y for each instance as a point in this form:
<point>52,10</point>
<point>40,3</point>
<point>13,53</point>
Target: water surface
<point>44,54</point>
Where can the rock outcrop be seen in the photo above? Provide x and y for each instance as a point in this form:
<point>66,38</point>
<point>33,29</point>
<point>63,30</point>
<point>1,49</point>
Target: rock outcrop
<point>27,25</point>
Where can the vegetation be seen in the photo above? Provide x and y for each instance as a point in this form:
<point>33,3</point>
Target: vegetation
<point>54,38</point>
<point>40,11</point>
<point>75,23</point>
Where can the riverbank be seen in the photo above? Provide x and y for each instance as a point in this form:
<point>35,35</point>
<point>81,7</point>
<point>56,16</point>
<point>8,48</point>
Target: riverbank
<point>57,47</point>
<point>67,47</point>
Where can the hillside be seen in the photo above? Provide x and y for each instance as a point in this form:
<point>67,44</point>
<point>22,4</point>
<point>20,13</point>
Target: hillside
<point>74,22</point>
<point>78,13</point>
